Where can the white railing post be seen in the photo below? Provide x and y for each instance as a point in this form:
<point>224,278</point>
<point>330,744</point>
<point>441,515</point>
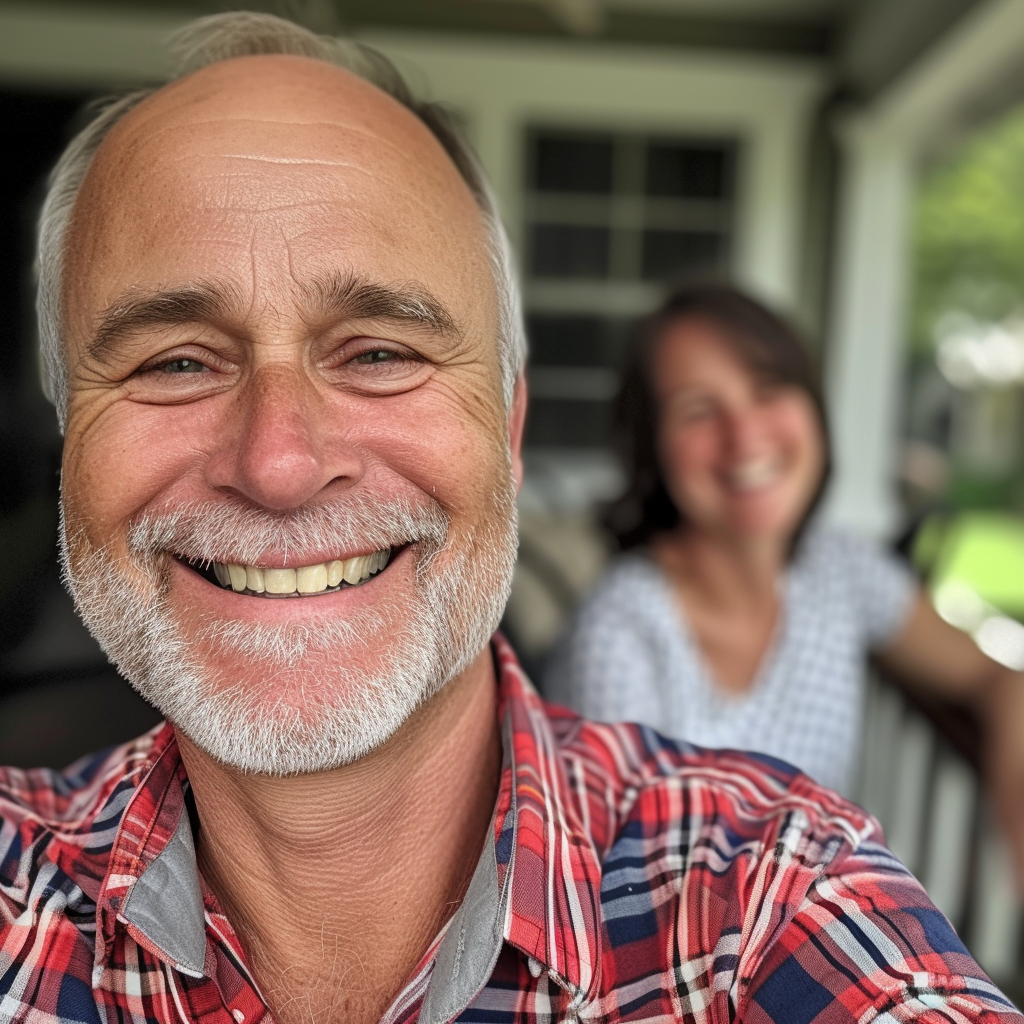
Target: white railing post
<point>955,792</point>
<point>994,936</point>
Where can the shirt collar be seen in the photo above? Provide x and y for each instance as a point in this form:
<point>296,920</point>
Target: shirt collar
<point>536,886</point>
<point>152,883</point>
<point>554,908</point>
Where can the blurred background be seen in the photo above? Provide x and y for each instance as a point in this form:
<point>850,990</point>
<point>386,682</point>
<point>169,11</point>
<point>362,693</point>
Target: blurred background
<point>859,164</point>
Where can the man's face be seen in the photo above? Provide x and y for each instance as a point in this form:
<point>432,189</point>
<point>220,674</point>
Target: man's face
<point>281,322</point>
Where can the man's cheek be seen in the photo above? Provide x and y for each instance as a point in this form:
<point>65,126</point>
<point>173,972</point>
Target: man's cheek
<point>105,460</point>
<point>444,455</point>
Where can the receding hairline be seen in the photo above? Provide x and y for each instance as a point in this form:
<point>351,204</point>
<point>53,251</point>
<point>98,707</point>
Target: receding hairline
<point>190,94</point>
<point>148,122</point>
<point>230,69</point>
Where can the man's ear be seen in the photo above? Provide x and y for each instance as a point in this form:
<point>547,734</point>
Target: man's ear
<point>516,426</point>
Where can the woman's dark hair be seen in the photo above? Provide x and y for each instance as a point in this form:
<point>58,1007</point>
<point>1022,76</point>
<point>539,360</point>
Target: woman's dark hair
<point>768,345</point>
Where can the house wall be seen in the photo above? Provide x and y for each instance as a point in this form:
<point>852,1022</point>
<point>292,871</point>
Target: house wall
<point>500,87</point>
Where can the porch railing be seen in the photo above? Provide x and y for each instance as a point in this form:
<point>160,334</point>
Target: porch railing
<point>920,777</point>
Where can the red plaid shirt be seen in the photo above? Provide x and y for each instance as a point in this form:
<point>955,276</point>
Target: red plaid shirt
<point>630,878</point>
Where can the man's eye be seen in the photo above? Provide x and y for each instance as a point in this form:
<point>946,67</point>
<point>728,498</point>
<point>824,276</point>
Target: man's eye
<point>377,355</point>
<point>181,366</point>
<point>390,368</point>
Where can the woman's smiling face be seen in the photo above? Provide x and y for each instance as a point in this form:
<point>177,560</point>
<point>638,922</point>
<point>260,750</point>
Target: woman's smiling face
<point>742,454</point>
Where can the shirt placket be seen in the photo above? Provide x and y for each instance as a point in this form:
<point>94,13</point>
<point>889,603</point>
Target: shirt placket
<point>228,995</point>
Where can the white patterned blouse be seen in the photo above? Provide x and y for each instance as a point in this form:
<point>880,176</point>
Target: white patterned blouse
<point>629,656</point>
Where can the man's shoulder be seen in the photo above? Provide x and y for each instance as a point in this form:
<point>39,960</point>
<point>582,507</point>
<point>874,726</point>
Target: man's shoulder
<point>782,894</point>
<point>66,818</point>
<point>749,801</point>
<point>64,798</point>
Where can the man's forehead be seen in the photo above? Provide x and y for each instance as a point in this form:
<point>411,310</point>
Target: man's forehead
<point>278,109</point>
<point>299,159</point>
<point>277,88</point>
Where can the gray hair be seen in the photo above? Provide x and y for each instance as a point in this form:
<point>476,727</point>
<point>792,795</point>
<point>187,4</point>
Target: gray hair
<point>221,37</point>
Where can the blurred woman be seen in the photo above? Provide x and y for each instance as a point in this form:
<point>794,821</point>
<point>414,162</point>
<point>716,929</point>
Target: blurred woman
<point>731,618</point>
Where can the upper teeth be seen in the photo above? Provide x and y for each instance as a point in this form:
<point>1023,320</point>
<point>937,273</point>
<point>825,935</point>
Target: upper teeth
<point>306,579</point>
<point>753,474</point>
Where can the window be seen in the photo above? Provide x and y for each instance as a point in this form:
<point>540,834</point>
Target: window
<point>611,218</point>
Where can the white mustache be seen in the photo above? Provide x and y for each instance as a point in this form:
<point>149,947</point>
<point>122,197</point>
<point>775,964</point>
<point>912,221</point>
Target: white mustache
<point>230,531</point>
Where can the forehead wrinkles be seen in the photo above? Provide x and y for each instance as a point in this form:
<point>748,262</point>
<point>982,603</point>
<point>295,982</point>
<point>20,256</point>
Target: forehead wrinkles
<point>225,170</point>
<point>297,111</point>
<point>290,153</point>
<point>157,181</point>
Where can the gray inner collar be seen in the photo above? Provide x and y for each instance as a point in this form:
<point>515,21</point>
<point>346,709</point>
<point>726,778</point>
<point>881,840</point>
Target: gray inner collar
<point>166,903</point>
<point>470,949</point>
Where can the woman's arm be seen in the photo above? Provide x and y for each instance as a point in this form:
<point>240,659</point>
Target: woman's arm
<point>942,661</point>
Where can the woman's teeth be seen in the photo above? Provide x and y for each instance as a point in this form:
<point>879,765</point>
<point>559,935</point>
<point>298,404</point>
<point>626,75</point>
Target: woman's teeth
<point>306,579</point>
<point>752,475</point>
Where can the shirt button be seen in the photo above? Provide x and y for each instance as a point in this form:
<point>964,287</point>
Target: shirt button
<point>534,966</point>
<point>238,1015</point>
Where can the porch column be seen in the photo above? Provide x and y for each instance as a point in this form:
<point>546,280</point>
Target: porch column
<point>864,358</point>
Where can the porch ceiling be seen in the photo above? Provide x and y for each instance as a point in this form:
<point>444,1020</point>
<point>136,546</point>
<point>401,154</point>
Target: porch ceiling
<point>799,25</point>
<point>824,9</point>
<point>867,43</point>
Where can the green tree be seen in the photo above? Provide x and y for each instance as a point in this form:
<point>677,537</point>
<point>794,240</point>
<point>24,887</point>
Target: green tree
<point>969,233</point>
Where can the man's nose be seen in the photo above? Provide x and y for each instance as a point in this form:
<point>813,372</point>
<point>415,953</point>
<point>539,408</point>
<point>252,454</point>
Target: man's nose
<point>283,449</point>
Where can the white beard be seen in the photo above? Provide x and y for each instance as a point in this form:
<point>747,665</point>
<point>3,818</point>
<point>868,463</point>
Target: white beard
<point>296,712</point>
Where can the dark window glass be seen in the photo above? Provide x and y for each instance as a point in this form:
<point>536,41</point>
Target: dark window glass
<point>668,254</point>
<point>571,164</point>
<point>569,423</point>
<point>563,250</point>
<point>557,340</point>
<point>689,172</point>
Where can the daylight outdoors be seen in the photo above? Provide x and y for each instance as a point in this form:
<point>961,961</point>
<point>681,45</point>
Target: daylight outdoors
<point>855,165</point>
<point>963,470</point>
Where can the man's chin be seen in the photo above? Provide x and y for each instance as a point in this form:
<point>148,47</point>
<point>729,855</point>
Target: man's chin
<point>288,699</point>
<point>287,719</point>
<point>284,698</point>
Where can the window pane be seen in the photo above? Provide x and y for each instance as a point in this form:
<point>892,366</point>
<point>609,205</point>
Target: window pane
<point>571,163</point>
<point>557,340</point>
<point>576,423</point>
<point>563,250</point>
<point>690,172</point>
<point>669,254</point>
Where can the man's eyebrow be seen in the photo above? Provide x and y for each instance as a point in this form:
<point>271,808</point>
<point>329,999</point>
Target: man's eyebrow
<point>131,315</point>
<point>347,297</point>
<point>335,297</point>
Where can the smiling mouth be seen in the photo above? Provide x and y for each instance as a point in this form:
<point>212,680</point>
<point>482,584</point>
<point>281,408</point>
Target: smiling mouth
<point>753,475</point>
<point>302,581</point>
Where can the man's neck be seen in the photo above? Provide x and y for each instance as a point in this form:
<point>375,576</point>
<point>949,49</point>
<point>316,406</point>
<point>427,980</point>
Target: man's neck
<point>337,882</point>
